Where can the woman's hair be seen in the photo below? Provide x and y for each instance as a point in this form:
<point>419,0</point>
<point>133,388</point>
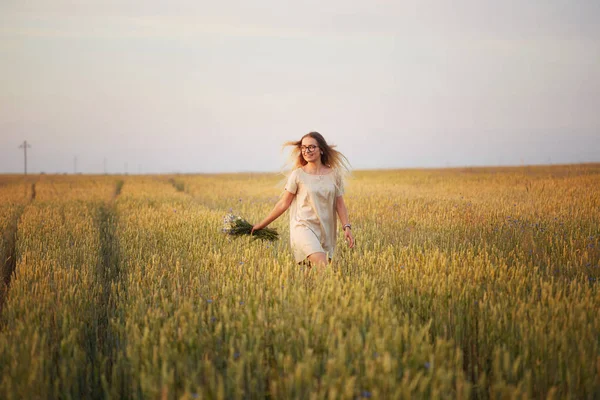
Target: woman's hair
<point>330,157</point>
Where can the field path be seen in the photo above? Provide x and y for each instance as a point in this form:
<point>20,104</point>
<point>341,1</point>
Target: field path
<point>8,255</point>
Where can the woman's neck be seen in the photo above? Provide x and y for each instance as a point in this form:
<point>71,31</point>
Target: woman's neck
<point>314,167</point>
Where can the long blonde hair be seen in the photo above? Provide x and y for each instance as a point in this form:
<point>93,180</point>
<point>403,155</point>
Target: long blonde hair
<point>330,157</point>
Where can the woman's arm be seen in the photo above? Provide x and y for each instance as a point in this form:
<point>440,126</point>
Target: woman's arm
<point>342,212</point>
<point>282,205</point>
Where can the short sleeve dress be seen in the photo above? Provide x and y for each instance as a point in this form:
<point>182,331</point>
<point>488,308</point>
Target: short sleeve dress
<point>313,223</point>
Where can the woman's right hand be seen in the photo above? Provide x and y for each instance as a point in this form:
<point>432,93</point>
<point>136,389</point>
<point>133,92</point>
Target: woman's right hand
<point>282,205</point>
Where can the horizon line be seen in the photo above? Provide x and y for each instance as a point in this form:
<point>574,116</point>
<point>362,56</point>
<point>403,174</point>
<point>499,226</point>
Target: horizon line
<point>384,169</point>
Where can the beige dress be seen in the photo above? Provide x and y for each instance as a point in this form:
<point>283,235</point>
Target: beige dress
<point>313,221</point>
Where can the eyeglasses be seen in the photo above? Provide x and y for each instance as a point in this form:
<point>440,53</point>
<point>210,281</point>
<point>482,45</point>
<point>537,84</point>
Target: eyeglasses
<point>308,149</point>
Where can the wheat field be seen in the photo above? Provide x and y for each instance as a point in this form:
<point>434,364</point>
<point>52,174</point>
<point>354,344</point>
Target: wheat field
<point>470,283</point>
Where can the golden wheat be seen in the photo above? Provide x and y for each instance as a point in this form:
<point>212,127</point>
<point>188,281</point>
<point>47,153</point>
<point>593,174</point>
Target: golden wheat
<point>465,283</point>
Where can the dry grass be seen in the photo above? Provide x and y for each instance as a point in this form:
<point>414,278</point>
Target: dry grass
<point>465,283</point>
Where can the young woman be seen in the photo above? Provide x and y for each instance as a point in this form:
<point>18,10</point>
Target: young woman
<point>314,192</point>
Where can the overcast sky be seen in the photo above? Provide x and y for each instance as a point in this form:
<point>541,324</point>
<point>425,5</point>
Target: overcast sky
<point>218,86</point>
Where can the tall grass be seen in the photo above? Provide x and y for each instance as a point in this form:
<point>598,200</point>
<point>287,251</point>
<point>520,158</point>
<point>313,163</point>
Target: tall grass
<point>466,283</point>
<point>49,340</point>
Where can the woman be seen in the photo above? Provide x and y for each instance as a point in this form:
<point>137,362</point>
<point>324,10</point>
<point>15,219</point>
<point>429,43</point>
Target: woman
<point>314,191</point>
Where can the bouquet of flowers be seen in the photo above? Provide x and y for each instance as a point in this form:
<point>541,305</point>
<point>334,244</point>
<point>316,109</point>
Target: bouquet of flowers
<point>237,226</point>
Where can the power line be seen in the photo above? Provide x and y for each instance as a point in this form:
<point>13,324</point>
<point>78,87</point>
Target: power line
<point>24,146</point>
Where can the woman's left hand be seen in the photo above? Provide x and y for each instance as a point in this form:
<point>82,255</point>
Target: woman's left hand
<point>349,238</point>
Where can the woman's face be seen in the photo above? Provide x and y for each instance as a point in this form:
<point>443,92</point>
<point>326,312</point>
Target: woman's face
<point>308,144</point>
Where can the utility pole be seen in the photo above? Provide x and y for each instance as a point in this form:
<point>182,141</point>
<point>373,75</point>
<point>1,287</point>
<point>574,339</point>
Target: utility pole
<point>24,146</point>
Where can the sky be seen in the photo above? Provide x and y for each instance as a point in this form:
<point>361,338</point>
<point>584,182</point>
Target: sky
<point>203,87</point>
